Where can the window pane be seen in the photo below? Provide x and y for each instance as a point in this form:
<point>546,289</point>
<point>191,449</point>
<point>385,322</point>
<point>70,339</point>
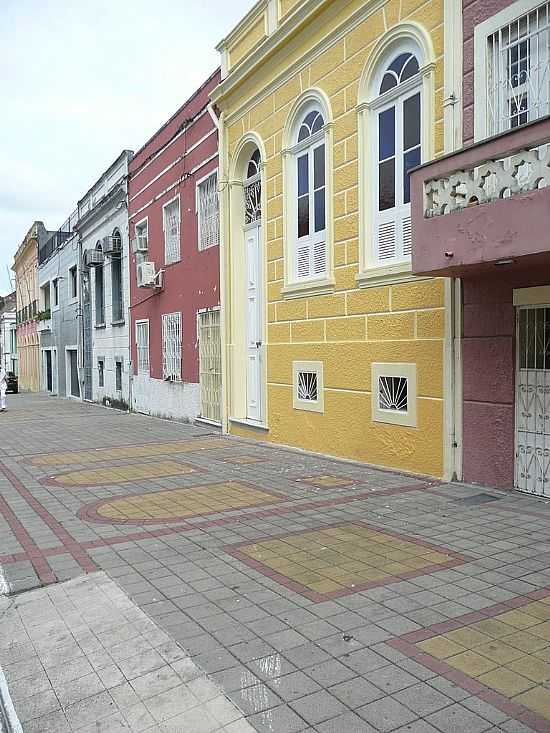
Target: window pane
<point>386,183</point>
<point>410,160</point>
<point>411,122</point>
<point>386,133</point>
<point>303,175</point>
<point>410,69</point>
<point>319,167</point>
<point>320,210</point>
<point>303,216</point>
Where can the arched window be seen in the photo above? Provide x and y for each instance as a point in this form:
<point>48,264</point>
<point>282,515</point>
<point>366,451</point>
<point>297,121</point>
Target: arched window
<point>116,279</point>
<point>309,205</point>
<point>253,189</point>
<point>396,130</point>
<point>99,292</point>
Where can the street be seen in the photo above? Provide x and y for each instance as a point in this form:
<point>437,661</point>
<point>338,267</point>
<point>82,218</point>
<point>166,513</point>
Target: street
<point>157,576</point>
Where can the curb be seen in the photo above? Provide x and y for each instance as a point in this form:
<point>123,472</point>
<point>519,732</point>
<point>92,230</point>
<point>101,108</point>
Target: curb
<point>9,722</point>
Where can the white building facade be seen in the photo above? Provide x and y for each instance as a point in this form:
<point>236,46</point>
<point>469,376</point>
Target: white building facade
<point>8,341</point>
<point>103,228</point>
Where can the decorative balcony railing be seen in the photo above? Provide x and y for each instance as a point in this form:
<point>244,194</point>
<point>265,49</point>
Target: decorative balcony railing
<point>497,178</point>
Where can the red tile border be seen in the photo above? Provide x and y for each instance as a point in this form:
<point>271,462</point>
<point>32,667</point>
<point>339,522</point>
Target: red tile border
<point>406,644</point>
<point>53,481</point>
<point>70,545</point>
<point>281,510</point>
<point>317,597</point>
<point>90,512</point>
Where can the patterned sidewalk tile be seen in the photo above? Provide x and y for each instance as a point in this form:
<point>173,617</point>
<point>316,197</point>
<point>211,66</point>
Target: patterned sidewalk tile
<point>101,455</point>
<point>342,559</point>
<point>501,655</point>
<point>119,474</point>
<point>178,504</point>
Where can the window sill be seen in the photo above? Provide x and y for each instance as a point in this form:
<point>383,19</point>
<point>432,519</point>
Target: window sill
<point>311,287</point>
<point>385,275</point>
<point>118,323</point>
<point>249,424</point>
<point>100,325</point>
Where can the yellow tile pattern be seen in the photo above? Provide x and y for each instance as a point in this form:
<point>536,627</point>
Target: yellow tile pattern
<point>122,474</point>
<point>338,558</point>
<point>184,503</point>
<point>99,455</point>
<point>510,653</point>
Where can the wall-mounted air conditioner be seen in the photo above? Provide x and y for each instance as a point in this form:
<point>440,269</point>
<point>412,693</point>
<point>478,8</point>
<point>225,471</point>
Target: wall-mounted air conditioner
<point>111,245</point>
<point>146,275</point>
<point>140,244</point>
<point>93,258</point>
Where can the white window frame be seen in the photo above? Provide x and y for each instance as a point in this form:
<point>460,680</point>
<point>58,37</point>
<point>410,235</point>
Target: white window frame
<point>46,284</point>
<point>54,287</point>
<point>72,298</point>
<point>169,361</point>
<point>394,417</point>
<point>323,282</point>
<point>169,257</point>
<point>482,32</point>
<point>139,225</point>
<point>316,367</point>
<point>143,366</point>
<point>202,182</point>
<point>403,38</point>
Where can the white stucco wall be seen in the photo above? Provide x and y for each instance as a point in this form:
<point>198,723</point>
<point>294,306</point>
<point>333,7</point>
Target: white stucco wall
<point>104,209</point>
<point>174,400</point>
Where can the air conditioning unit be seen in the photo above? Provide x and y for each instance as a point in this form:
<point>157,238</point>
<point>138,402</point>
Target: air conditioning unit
<point>93,258</point>
<point>111,245</point>
<point>146,275</point>
<point>140,244</point>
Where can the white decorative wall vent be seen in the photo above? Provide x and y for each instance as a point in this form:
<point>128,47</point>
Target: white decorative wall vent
<point>308,386</point>
<point>394,394</point>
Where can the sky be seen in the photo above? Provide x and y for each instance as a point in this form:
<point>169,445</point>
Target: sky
<point>79,82</point>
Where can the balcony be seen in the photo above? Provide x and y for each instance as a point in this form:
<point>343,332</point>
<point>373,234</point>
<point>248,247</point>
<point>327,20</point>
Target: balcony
<point>485,205</point>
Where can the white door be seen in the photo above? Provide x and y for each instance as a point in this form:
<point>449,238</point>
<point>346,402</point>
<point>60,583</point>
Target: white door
<point>254,327</point>
<point>532,469</point>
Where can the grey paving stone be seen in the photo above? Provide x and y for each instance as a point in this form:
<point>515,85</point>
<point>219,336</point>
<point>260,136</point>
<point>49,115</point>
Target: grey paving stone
<point>293,686</point>
<point>318,707</point>
<point>386,714</point>
<point>348,722</point>
<point>458,719</point>
<point>422,699</point>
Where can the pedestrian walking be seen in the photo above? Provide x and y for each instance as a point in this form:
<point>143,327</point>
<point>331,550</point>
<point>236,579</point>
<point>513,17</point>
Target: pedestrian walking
<point>3,388</point>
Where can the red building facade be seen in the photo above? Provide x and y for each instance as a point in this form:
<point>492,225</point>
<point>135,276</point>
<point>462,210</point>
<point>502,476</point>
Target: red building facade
<point>174,265</point>
<point>482,216</point>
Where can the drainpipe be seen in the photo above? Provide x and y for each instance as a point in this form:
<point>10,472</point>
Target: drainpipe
<point>225,215</point>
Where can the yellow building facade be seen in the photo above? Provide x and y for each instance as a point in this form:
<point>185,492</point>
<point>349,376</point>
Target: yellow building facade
<point>330,344</point>
<point>25,267</point>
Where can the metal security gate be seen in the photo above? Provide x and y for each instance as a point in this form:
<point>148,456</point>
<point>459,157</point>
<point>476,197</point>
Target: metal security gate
<point>532,469</point>
<point>210,365</point>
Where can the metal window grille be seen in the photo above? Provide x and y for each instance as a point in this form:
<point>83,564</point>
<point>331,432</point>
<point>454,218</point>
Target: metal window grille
<point>308,386</point>
<point>210,365</point>
<point>172,232</point>
<point>209,212</point>
<point>253,201</point>
<point>518,71</point>
<point>142,345</point>
<point>101,372</point>
<point>393,393</point>
<point>171,346</point>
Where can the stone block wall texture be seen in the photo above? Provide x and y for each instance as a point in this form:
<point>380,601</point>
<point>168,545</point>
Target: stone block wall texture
<point>350,328</point>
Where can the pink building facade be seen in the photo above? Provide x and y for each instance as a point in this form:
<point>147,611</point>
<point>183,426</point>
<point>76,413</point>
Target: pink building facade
<point>482,216</point>
<point>174,266</point>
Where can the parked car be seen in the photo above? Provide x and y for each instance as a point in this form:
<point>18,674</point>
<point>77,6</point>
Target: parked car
<point>13,382</point>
